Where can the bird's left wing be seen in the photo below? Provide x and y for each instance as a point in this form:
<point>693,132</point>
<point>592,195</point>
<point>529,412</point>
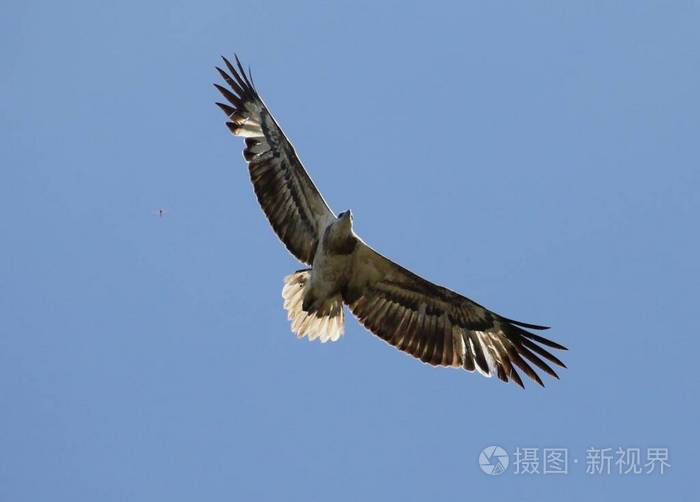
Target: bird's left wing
<point>292,203</point>
<point>439,326</point>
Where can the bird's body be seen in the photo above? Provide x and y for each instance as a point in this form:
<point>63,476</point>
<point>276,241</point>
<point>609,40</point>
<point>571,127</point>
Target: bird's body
<point>331,269</point>
<point>430,322</point>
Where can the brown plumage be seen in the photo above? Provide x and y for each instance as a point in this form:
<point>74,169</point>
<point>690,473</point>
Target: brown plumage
<point>429,322</point>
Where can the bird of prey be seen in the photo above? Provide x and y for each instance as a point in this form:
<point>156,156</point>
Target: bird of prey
<point>429,322</point>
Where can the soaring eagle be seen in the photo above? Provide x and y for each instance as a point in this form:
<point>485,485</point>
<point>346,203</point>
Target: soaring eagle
<point>430,322</point>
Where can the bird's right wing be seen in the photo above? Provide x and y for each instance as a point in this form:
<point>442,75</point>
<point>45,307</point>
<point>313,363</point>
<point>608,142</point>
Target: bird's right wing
<point>439,326</point>
<point>292,203</point>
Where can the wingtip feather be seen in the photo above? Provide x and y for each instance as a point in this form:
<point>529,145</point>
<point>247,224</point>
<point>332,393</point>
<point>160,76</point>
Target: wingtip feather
<point>228,110</point>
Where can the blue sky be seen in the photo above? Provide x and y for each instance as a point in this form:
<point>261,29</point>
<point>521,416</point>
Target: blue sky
<point>539,157</point>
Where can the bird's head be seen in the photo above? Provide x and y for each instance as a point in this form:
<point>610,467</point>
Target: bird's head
<point>345,215</point>
<point>339,235</point>
<point>344,222</point>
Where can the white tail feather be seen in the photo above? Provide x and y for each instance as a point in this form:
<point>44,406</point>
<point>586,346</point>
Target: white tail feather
<point>326,324</point>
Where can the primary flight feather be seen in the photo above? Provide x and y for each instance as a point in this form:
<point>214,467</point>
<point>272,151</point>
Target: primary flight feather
<point>430,322</point>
